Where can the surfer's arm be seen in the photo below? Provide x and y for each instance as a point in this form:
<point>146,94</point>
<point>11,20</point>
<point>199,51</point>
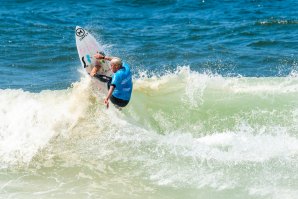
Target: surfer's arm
<point>106,101</point>
<point>108,58</point>
<point>100,56</point>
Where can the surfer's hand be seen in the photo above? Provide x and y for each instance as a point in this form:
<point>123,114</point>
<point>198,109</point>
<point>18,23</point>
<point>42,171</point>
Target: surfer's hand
<point>106,101</point>
<point>98,56</point>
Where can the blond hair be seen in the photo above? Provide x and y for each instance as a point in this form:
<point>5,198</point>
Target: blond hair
<point>117,62</point>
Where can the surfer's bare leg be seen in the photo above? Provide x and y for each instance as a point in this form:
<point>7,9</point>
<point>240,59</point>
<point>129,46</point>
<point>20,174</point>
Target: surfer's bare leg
<point>95,69</point>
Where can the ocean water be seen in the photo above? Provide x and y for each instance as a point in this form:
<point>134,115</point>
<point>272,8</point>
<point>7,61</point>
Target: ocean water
<point>214,111</point>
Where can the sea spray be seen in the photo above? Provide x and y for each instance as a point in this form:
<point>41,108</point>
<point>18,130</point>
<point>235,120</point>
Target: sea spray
<point>228,136</point>
<point>30,120</point>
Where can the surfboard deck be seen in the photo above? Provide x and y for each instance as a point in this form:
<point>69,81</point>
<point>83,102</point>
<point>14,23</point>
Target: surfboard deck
<point>87,46</point>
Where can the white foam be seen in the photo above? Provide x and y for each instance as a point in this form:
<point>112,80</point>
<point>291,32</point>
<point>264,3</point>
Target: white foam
<point>195,83</point>
<point>244,144</point>
<point>180,159</point>
<point>30,120</point>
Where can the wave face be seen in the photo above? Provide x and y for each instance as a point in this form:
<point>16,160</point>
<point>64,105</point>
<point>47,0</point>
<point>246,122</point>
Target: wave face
<point>184,134</point>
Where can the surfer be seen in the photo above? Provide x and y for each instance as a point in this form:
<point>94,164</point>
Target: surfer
<point>120,85</point>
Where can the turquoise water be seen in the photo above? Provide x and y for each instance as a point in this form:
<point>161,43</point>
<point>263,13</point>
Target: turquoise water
<point>213,113</point>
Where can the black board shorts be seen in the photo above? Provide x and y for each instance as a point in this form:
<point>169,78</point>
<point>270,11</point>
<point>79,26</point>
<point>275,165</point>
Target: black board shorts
<point>115,100</point>
<point>118,102</point>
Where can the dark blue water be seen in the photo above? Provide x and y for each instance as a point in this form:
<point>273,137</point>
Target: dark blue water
<point>230,38</point>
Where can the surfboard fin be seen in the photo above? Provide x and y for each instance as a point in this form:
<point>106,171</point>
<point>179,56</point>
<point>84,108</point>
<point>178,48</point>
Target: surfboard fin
<point>85,65</point>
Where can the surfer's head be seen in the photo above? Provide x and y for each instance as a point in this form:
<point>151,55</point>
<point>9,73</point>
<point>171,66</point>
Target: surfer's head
<point>116,64</point>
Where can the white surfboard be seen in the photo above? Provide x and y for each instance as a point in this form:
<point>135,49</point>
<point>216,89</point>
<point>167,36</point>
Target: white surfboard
<point>87,46</point>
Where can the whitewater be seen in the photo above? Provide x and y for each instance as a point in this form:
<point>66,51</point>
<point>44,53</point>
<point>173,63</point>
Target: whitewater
<point>185,134</point>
